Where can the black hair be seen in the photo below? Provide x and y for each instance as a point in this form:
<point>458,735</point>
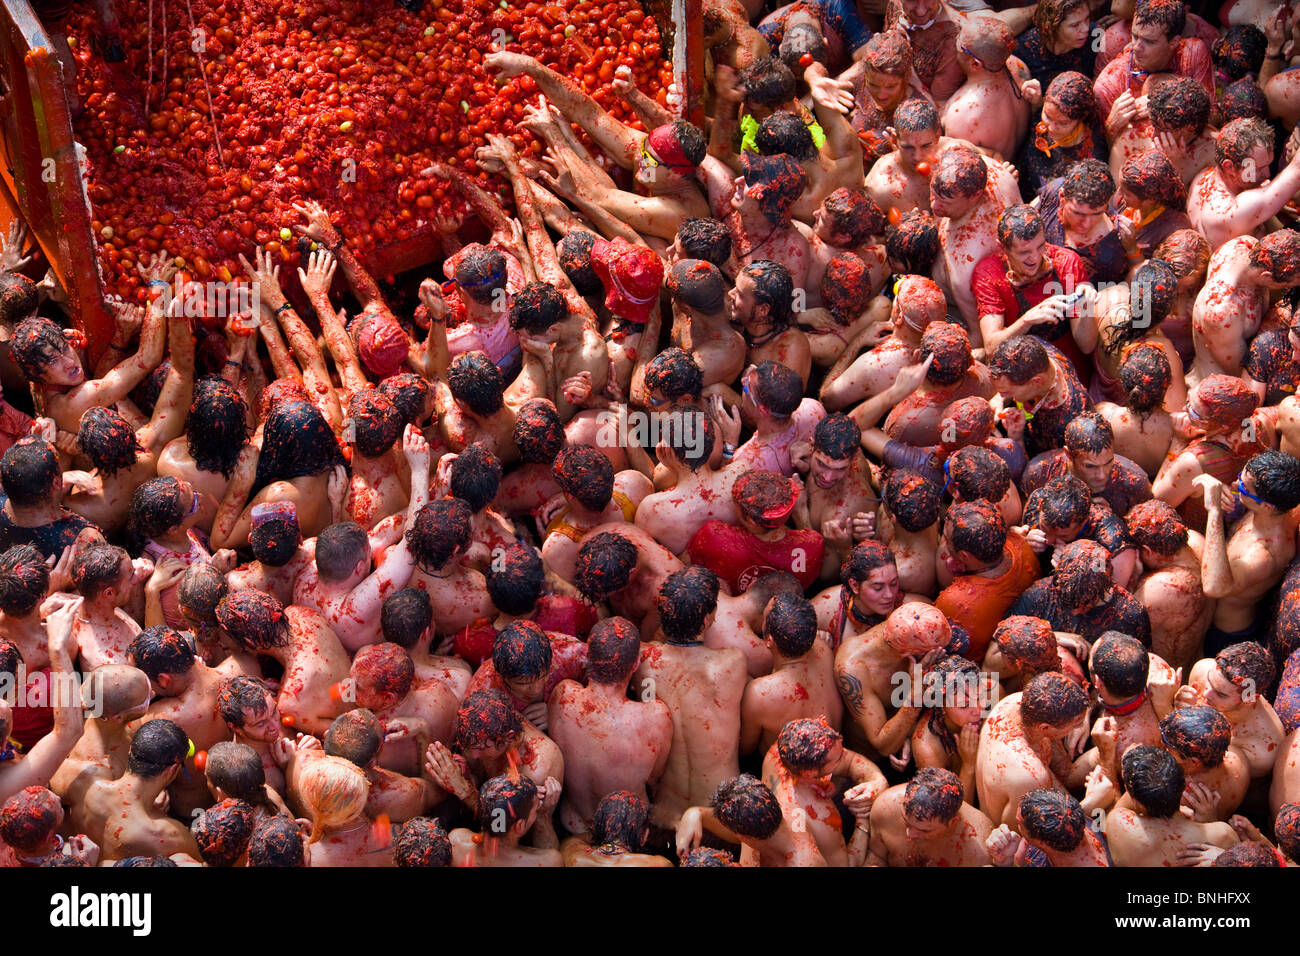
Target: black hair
<point>159,650</point>
<point>1170,15</point>
<point>441,528</point>
<point>916,115</point>
<point>24,580</point>
<point>1062,503</point>
<point>503,801</point>
<point>1054,818</point>
<point>767,82</point>
<point>1052,698</point>
<point>536,307</point>
<point>157,746</point>
<point>409,394</point>
<point>339,548</point>
<point>515,579</point>
<point>156,507</point>
<point>406,615</point>
<point>1247,853</point>
<point>238,694</point>
<point>1154,779</point>
<point>865,557</point>
<point>274,541</point>
<point>1277,478</point>
<point>476,477</point>
<point>522,651</point>
<point>1240,51</point>
<point>18,297</point>
<point>474,380</point>
<point>686,599</point>
<point>1019,222</point>
<point>1083,574</point>
<point>675,373</point>
<point>1088,433</point>
<point>29,471</point>
<point>421,841</point>
<point>486,719</point>
<point>791,623</point>
<point>376,423</point>
<point>538,432</point>
<point>1018,359</point>
<point>216,428</point>
<point>620,820</point>
<point>691,435</point>
<point>777,388</point>
<point>605,564</point>
<point>913,500</point>
<point>277,841</point>
<point>837,436</point>
<point>805,745</point>
<point>774,288</point>
<point>1145,377</point>
<point>223,830</point>
<point>746,806</point>
<point>480,273</point>
<point>977,472</point>
<point>977,528</point>
<point>1177,103</point>
<point>933,794</point>
<point>96,568</point>
<point>705,238</point>
<point>1090,182</point>
<point>1248,665</point>
<point>108,440</point>
<point>34,345</point>
<point>913,242</point>
<point>584,472</point>
<point>784,132</point>
<point>296,442</point>
<point>1198,732</point>
<point>613,650</point>
<point>1122,662</point>
<point>255,619</point>
<point>574,253</point>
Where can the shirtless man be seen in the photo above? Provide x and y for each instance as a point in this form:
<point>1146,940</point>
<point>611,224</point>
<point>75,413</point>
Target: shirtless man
<point>341,586</point>
<point>700,320</point>
<point>371,430</point>
<point>1151,830</point>
<point>926,822</point>
<point>1232,303</point>
<point>1235,197</point>
<point>250,714</point>
<point>901,179</point>
<point>122,695</point>
<point>314,659</point>
<point>1170,585</point>
<point>407,620</point>
<point>921,418</point>
<point>1240,570</point>
<point>838,499</point>
<point>123,816</point>
<point>438,538</point>
<point>619,830</point>
<point>279,553</point>
<point>703,688</point>
<point>413,715</point>
<point>105,576</point>
<point>773,399</point>
<point>620,564</point>
<point>744,810</point>
<point>216,432</point>
<point>508,808</point>
<point>1022,744</point>
<point>1178,110</point>
<point>967,211</point>
<point>1052,822</point>
<point>846,222</point>
<point>760,306</point>
<point>358,736</point>
<point>989,110</point>
<point>1200,739</point>
<point>469,405</point>
<point>592,495</point>
<point>1120,668</point>
<point>609,742</point>
<point>802,682</point>
<point>879,674</point>
<point>801,768</point>
<point>1230,684</point>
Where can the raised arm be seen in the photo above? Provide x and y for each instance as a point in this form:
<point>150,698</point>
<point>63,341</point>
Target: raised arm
<point>322,231</point>
<point>173,405</point>
<point>316,281</point>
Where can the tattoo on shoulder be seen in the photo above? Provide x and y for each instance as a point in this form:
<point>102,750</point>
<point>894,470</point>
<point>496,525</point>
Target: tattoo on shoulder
<point>851,690</point>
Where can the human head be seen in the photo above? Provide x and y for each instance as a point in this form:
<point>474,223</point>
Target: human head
<point>848,217</point>
<point>1052,819</point>
<point>1243,153</point>
<point>476,384</point>
<point>30,473</point>
<point>421,841</point>
<point>407,615</point>
<point>1157,26</point>
<point>1021,368</point>
<point>835,445</point>
<point>967,423</point>
<point>1286,827</point>
<point>931,802</point>
<point>515,579</point>
<point>249,709</point>
<point>613,651</point>
<point>108,440</point>
<point>958,183</point>
<point>809,748</point>
<point>538,432</point>
<point>159,506</point>
<point>785,132</point>
<point>487,724</point>
<point>254,619</point>
<point>697,285</point>
<point>537,308</point>
<point>167,656</point>
<point>976,472</point>
<point>296,441</point>
<point>918,301</point>
<point>746,806</point>
<point>574,252</point>
<point>1157,529</point>
<point>916,629</point>
<point>1197,736</point>
<point>1083,576</point>
<point>1241,99</point>
<point>356,736</point>
<point>1181,107</point>
<point>913,500</point>
<point>1067,103</point>
<point>772,184</point>
<point>622,819</point>
<point>1145,377</point>
<point>410,395</point>
<point>703,238</point>
<point>674,149</point>
<point>605,565</point>
<point>1240,52</point>
<point>42,352</point>
<point>30,818</point>
<point>158,750</point>
<point>375,422</point>
<point>476,477</point>
<point>1086,194</point>
<point>24,580</point>
<point>631,276</point>
<point>870,574</point>
<point>1221,403</point>
<point>1273,476</point>
<point>1090,445</point>
<point>983,45</point>
<point>1028,645</point>
<point>1148,180</point>
<point>277,841</point>
<point>764,499</point>
<point>332,791</point>
<point>507,806</point>
<point>441,531</point>
<point>382,675</point>
<point>949,343</point>
<point>846,286</point>
<point>790,626</point>
<point>1063,22</point>
<point>342,552</point>
<point>1020,231</point>
<point>275,535</point>
<point>1052,705</point>
<point>1120,664</point>
<point>1153,780</point>
<point>974,536</point>
<point>1275,260</point>
<point>1242,674</point>
<point>775,390</point>
<point>917,133</point>
<point>687,601</point>
<point>887,62</point>
<point>223,830</point>
<point>912,245</point>
<point>19,298</point>
<point>762,296</point>
<point>102,570</point>
<point>480,274</point>
<point>671,376</point>
<point>522,657</point>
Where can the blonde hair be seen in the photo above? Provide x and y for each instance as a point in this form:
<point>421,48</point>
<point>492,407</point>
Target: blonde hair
<point>333,791</point>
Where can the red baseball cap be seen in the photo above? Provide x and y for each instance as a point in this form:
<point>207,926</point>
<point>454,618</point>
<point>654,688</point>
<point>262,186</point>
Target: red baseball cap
<point>765,497</point>
<point>631,275</point>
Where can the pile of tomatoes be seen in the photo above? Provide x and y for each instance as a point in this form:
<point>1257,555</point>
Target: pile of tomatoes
<point>338,101</point>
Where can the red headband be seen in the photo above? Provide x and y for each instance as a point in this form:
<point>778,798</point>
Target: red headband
<point>664,141</point>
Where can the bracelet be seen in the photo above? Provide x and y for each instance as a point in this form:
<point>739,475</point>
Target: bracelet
<point>165,285</point>
<point>283,306</point>
<point>1273,56</point>
<point>235,364</point>
<point>728,450</point>
<point>866,829</point>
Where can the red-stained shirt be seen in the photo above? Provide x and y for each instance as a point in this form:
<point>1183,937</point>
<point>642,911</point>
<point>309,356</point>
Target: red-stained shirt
<point>568,662</point>
<point>13,425</point>
<point>994,295</point>
<point>1191,59</point>
<point>739,558</point>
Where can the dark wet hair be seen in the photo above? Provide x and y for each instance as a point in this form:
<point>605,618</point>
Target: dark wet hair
<point>1242,99</point>
<point>409,393</point>
<point>620,820</point>
<point>515,579</point>
<point>1277,478</point>
<point>1029,643</point>
<point>777,388</point>
<point>913,500</point>
<point>933,794</point>
<point>1054,818</point>
<point>96,568</point>
<point>255,619</point>
<point>481,273</point>
<point>960,171</point>
<point>746,806</point>
<point>1153,778</point>
<point>1089,434</point>
<point>29,818</point>
<point>1073,93</point>
<point>804,745</point>
<point>1248,665</point>
<point>1145,377</point>
<point>1019,222</point>
<point>1238,139</point>
<point>774,288</point>
<point>18,298</point>
<point>604,565</point>
<point>613,650</point>
<point>356,736</point>
<point>977,528</point>
<point>296,442</point>
<point>1240,51</point>
<point>851,212</point>
<point>505,798</point>
<point>339,548</point>
<point>538,432</point>
<point>686,599</point>
<point>865,557</point>
<point>156,507</point>
<point>522,651</point>
<point>767,82</point>
<point>1197,732</point>
<point>916,115</point>
<point>277,841</point>
<point>536,307</point>
<point>421,841</point>
<point>1169,15</point>
<point>978,473</point>
<point>1052,698</point>
<point>1286,828</point>
<point>675,373</point>
<point>584,472</point>
<point>238,694</point>
<point>487,720</point>
<point>705,238</point>
<point>441,528</point>
<point>1083,574</point>
<point>574,253</point>
<point>159,650</point>
<point>691,435</point>
<point>108,440</point>
<point>145,395</point>
<point>837,436</point>
<point>223,830</point>
<point>474,380</point>
<point>29,470</point>
<point>698,285</point>
<point>216,428</point>
<point>1018,359</point>
<point>1062,503</point>
<point>11,658</point>
<point>1177,103</point>
<point>1155,524</point>
<point>799,39</point>
<point>913,242</point>
<point>1089,182</point>
<point>274,541</point>
<point>34,345</point>
<point>784,132</point>
<point>791,623</point>
<point>1247,853</point>
<point>376,423</point>
<point>949,343</point>
<point>476,477</point>
<point>1122,662</point>
<point>24,580</point>
<point>1279,254</point>
<point>157,746</point>
<point>405,615</point>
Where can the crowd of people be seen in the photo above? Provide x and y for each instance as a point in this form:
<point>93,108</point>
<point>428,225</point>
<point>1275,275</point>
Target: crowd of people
<point>898,470</point>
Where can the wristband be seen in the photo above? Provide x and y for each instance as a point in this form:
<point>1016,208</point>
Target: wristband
<point>728,450</point>
<point>1273,56</point>
<point>283,306</point>
<point>235,364</point>
<point>165,285</point>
